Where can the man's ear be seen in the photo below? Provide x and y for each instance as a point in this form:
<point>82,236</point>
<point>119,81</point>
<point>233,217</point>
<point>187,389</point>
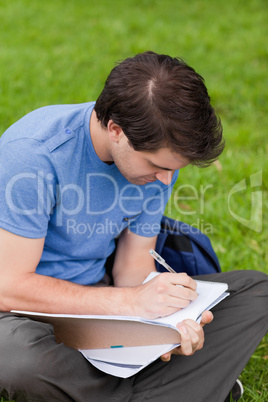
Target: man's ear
<point>115,132</point>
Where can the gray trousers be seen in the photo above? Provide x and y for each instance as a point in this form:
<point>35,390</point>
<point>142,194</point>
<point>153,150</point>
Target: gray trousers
<point>33,367</point>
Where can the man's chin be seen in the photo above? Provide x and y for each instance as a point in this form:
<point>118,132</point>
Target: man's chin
<point>137,181</point>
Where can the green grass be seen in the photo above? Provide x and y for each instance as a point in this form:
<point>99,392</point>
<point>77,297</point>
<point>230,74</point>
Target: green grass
<point>5,400</point>
<point>61,51</point>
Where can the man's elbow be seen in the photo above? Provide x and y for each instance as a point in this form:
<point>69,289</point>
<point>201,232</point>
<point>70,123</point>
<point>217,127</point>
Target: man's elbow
<point>6,299</point>
<point>5,303</point>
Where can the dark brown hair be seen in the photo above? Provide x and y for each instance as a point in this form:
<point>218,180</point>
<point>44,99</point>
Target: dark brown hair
<point>160,101</point>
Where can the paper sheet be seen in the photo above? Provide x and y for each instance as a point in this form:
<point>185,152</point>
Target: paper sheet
<point>125,362</point>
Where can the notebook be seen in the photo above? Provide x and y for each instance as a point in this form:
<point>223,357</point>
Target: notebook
<point>124,345</point>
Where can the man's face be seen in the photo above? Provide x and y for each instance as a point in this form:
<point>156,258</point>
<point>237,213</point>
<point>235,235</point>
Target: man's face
<point>140,167</point>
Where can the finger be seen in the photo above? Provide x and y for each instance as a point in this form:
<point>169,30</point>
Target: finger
<point>186,342</point>
<point>176,351</point>
<point>206,318</point>
<point>193,324</point>
<point>172,295</point>
<point>196,333</point>
<point>182,279</point>
<point>166,357</point>
<point>183,293</point>
<point>176,302</point>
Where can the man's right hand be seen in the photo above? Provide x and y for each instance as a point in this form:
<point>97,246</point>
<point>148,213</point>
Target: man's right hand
<point>161,296</point>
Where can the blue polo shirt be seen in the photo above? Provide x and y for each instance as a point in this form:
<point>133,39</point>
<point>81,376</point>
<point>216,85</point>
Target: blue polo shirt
<point>53,185</point>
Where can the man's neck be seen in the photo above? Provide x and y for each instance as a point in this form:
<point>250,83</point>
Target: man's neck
<point>100,139</point>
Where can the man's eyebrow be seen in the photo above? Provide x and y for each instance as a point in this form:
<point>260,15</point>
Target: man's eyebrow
<point>160,167</point>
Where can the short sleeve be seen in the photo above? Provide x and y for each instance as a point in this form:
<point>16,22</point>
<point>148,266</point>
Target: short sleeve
<point>27,187</point>
<point>156,197</point>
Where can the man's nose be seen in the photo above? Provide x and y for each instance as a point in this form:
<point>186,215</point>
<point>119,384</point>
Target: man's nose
<point>165,176</point>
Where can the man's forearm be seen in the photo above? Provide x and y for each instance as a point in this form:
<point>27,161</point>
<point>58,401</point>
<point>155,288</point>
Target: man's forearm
<point>133,263</point>
<point>34,292</point>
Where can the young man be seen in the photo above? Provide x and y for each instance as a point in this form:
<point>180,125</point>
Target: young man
<point>73,179</point>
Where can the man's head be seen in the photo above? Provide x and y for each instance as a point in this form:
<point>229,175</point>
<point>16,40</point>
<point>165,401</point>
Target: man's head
<point>161,102</point>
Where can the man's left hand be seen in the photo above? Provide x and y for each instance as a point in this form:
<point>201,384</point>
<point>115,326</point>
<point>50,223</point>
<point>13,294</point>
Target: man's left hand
<point>192,336</point>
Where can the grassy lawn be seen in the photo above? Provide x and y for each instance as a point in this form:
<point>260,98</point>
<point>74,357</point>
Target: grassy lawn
<point>60,51</point>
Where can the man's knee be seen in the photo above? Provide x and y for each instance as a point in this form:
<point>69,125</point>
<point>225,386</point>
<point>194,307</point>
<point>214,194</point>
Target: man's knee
<point>260,292</point>
<point>255,287</point>
<point>22,345</point>
<point>257,280</point>
<point>261,276</point>
<point>246,280</point>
